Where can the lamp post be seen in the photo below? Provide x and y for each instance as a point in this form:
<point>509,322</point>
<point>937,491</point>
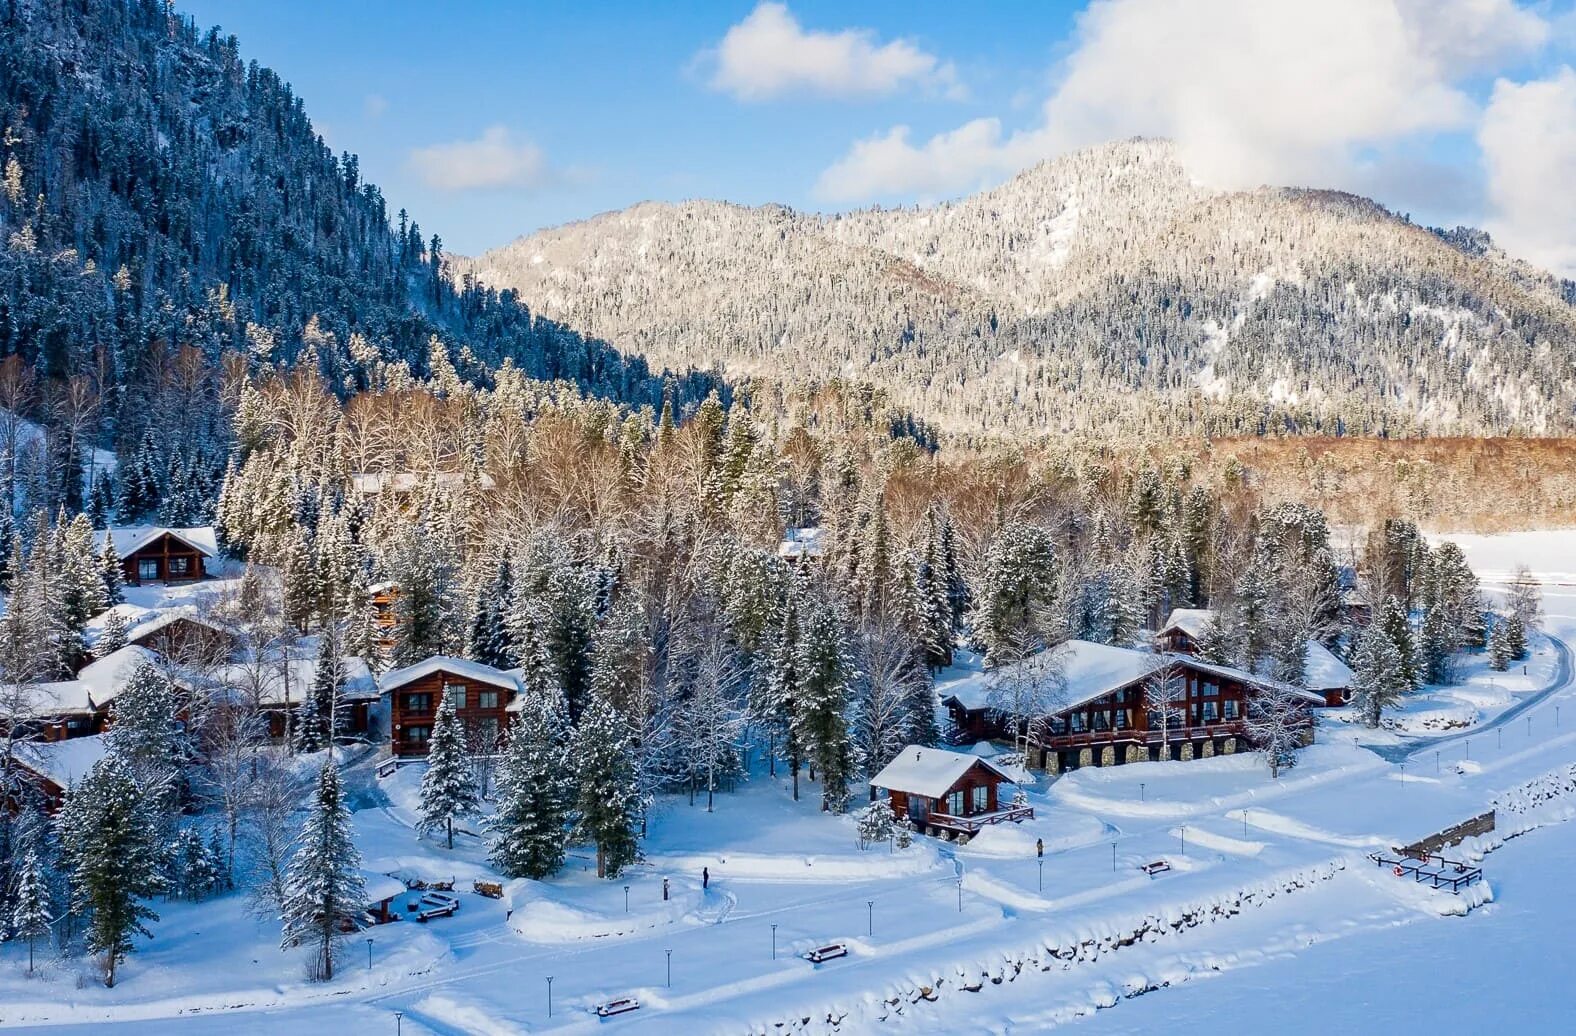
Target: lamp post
<point>1140,791</point>
<point>1113,857</point>
<point>1244,821</point>
<point>369,954</point>
<point>774,942</point>
<point>1184,839</point>
<point>398,1025</point>
<point>960,895</point>
<point>1499,737</point>
<point>626,899</point>
<point>670,969</point>
<point>1436,762</point>
<point>1042,874</point>
<point>549,996</point>
<point>1529,725</point>
<point>870,917</point>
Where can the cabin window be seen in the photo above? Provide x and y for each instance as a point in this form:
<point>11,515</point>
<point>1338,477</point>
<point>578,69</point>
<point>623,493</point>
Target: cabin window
<point>457,691</point>
<point>418,703</point>
<point>1102,720</point>
<point>1211,711</point>
<point>486,699</point>
<point>955,803</point>
<point>1211,688</point>
<point>1058,725</point>
<point>148,568</point>
<point>180,566</point>
<point>1124,718</point>
<point>418,735</point>
<point>1231,708</point>
<point>981,798</point>
<point>1077,721</point>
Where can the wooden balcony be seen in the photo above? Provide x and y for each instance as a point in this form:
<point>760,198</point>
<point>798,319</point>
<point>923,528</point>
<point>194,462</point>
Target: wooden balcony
<point>973,825</point>
<point>1135,736</point>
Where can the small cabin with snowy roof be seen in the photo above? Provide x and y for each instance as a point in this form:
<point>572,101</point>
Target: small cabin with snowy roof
<point>51,768</point>
<point>482,696</point>
<point>942,792</point>
<point>161,554</point>
<point>799,544</point>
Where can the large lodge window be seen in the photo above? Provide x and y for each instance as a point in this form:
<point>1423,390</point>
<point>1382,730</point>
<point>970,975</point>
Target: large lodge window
<point>418,735</point>
<point>955,803</point>
<point>1231,708</point>
<point>981,798</point>
<point>180,566</point>
<point>1211,688</point>
<point>1077,720</point>
<point>457,694</point>
<point>418,703</point>
<point>148,568</point>
<point>1211,711</point>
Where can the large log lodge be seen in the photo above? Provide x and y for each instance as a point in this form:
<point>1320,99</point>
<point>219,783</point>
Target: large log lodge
<point>1109,709</point>
<point>483,696</point>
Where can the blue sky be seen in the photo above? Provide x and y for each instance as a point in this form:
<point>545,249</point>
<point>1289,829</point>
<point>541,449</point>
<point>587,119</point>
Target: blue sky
<point>488,120</point>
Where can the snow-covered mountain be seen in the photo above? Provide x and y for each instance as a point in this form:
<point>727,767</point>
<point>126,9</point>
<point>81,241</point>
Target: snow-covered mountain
<point>1105,288</point>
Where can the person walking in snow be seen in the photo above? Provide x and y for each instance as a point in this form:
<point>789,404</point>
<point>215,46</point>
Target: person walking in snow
<point>1039,848</point>
<point>705,878</point>
<point>664,890</point>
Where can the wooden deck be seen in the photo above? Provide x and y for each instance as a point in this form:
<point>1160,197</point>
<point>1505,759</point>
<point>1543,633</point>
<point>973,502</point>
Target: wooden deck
<point>973,825</point>
<point>1437,871</point>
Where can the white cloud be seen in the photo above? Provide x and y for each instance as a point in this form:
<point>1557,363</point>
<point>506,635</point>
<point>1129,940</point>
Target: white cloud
<point>1528,139</point>
<point>769,54</point>
<point>1253,91</point>
<point>494,160</point>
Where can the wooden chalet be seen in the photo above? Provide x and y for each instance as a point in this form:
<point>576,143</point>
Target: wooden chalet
<point>182,635</point>
<point>1183,630</point>
<point>482,695</point>
<point>382,597</point>
<point>60,710</point>
<point>947,793</point>
<point>1110,713</point>
<point>159,554</point>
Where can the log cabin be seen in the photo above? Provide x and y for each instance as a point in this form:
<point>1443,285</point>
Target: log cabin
<point>948,793</point>
<point>1108,708</point>
<point>60,710</point>
<point>382,597</point>
<point>159,554</point>
<point>182,635</point>
<point>483,697</point>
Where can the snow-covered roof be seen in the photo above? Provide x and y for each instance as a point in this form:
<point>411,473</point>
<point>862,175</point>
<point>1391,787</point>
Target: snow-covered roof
<point>381,886</point>
<point>801,543</point>
<point>278,681</point>
<point>929,772</point>
<point>63,763</point>
<point>454,666</point>
<point>1089,670</point>
<point>383,587</point>
<point>372,483</point>
<point>1192,621</point>
<point>1323,671</point>
<point>96,684</point>
<point>131,538</point>
<point>1233,673</point>
<point>152,622</point>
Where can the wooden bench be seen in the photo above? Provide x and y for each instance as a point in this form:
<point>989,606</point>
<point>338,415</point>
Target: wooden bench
<point>830,951</point>
<point>622,1005</point>
<point>1157,867</point>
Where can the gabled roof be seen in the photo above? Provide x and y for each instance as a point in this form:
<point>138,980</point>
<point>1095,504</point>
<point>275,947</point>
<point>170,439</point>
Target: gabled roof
<point>462,667</point>
<point>801,543</point>
<point>1087,670</point>
<point>131,538</point>
<point>929,772</point>
<point>278,681</point>
<point>1192,621</point>
<point>96,685</point>
<point>62,763</point>
<point>1323,671</point>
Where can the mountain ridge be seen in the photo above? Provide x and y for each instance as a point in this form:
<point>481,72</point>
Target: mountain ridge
<point>1102,290</point>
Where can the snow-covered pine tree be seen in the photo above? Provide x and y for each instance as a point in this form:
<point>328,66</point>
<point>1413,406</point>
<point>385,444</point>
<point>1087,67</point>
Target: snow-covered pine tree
<point>529,830</point>
<point>81,581</point>
<point>875,823</point>
<point>1015,592</point>
<point>109,839</point>
<point>197,870</point>
<point>32,910</point>
<point>307,736</point>
<point>1397,625</point>
<point>299,581</point>
<point>448,786</point>
<point>707,721</point>
<point>608,796</point>
<point>112,637</point>
<point>324,890</point>
<point>825,674</point>
<point>146,735</point>
<point>488,640</point>
<point>1378,680</point>
<point>328,678</point>
<point>1500,650</point>
<point>1515,637</point>
<point>423,609</point>
<point>1435,646</point>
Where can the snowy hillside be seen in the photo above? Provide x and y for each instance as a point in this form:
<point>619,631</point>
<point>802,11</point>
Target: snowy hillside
<point>1102,287</point>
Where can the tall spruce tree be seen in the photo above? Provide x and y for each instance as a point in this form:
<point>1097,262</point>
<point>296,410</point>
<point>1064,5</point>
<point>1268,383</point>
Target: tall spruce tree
<point>530,828</point>
<point>32,911</point>
<point>1378,679</point>
<point>825,674</point>
<point>324,890</point>
<point>109,840</point>
<point>1397,625</point>
<point>608,799</point>
<point>448,786</point>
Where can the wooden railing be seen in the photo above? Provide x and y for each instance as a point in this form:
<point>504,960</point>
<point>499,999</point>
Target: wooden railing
<point>1135,736</point>
<point>972,825</point>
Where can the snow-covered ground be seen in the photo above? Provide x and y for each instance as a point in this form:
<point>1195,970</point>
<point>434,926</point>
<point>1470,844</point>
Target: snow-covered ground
<point>1268,893</point>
